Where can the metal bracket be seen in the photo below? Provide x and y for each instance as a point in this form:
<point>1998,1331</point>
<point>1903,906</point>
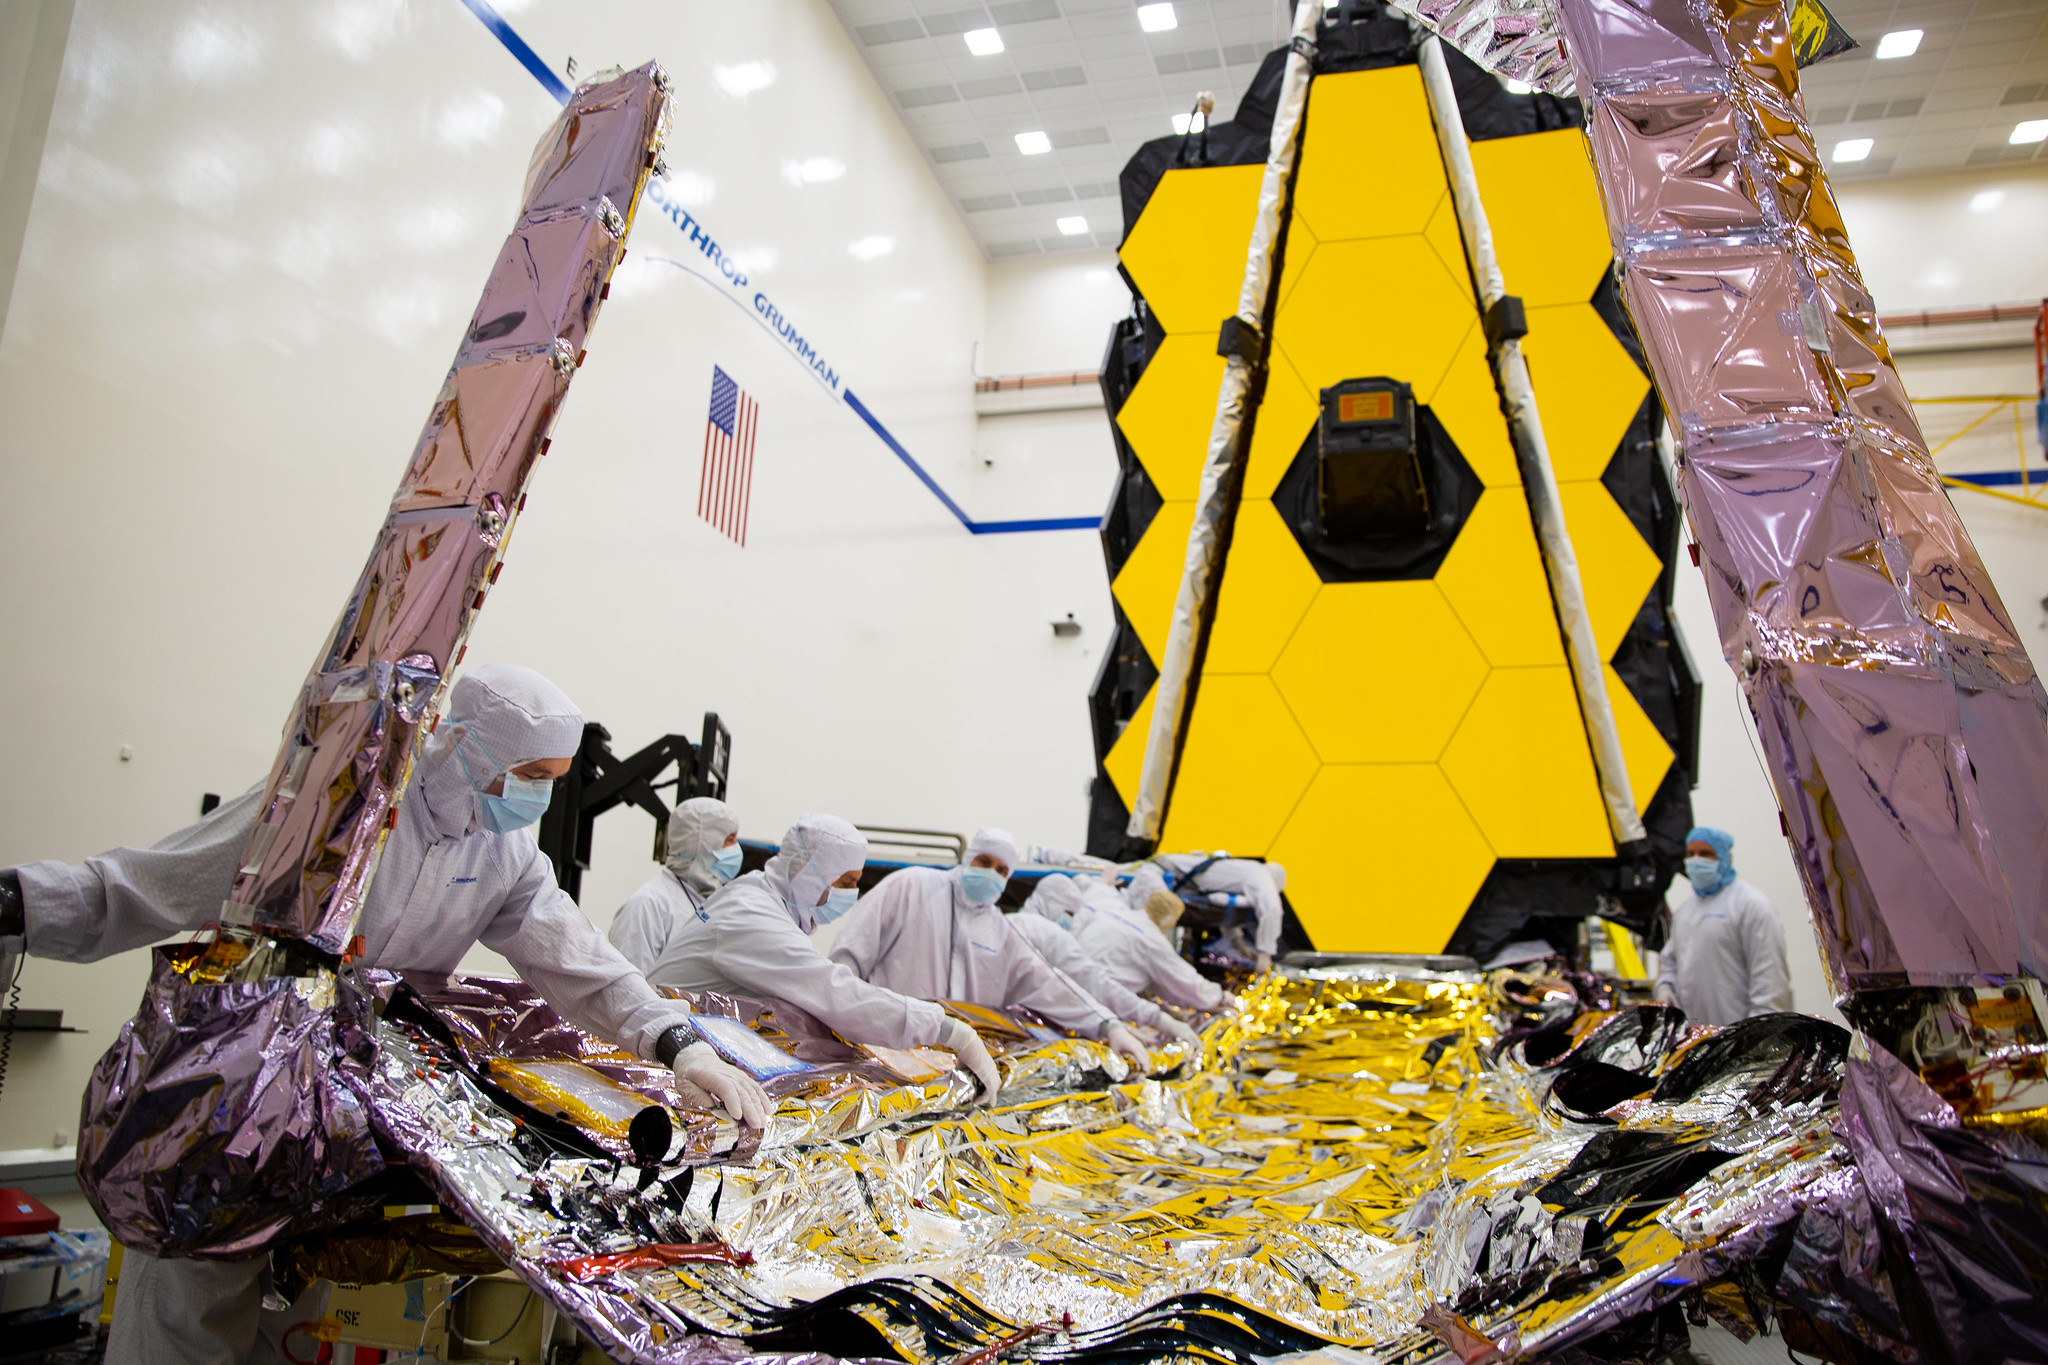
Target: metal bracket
<point>1238,338</point>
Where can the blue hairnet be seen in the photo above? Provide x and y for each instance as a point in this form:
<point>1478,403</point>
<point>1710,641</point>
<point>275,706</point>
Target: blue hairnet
<point>1724,848</point>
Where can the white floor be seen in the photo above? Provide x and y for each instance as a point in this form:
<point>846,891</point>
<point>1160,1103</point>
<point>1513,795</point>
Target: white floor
<point>1716,1345</point>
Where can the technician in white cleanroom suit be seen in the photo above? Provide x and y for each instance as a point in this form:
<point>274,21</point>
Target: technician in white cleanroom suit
<point>752,938</point>
<point>1725,960</point>
<point>703,854</point>
<point>1131,950</point>
<point>936,933</point>
<point>1222,877</point>
<point>1043,923</point>
<point>459,867</point>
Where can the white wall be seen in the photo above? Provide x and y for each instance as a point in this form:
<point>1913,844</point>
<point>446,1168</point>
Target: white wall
<point>257,235</point>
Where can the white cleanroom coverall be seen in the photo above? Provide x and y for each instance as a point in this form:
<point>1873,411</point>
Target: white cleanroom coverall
<point>1142,959</point>
<point>697,830</point>
<point>1726,956</point>
<point>751,938</point>
<point>917,933</point>
<point>1260,883</point>
<point>442,883</point>
<point>1053,903</point>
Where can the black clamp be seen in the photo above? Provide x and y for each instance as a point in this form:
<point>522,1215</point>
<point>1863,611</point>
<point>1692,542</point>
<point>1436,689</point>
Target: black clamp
<point>1505,321</point>
<point>672,1041</point>
<point>1303,48</point>
<point>1238,338</point>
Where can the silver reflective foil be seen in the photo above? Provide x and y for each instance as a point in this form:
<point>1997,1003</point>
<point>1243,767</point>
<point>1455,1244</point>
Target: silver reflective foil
<point>1902,722</point>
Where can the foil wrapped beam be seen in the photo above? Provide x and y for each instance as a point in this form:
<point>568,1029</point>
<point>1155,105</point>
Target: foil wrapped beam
<point>348,741</point>
<point>219,1118</point>
<point>1902,721</point>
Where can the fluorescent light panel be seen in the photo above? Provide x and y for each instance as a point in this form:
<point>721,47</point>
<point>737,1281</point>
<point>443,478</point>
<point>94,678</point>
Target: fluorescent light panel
<point>1033,144</point>
<point>1899,43</point>
<point>1157,18</point>
<point>1072,227</point>
<point>984,42</point>
<point>1852,149</point>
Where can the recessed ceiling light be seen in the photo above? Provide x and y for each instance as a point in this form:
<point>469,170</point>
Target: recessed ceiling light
<point>984,42</point>
<point>1852,149</point>
<point>1033,144</point>
<point>1983,201</point>
<point>871,248</point>
<point>1072,227</point>
<point>1157,18</point>
<point>2033,130</point>
<point>1900,43</point>
<point>1189,123</point>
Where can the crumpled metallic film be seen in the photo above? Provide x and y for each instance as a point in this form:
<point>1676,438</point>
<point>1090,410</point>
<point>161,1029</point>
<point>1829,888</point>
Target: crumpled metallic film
<point>1351,1159</point>
<point>220,1117</point>
<point>199,1141</point>
<point>345,759</point>
<point>1516,39</point>
<point>1900,716</point>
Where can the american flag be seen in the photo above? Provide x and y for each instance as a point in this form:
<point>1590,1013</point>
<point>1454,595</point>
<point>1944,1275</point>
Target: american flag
<point>727,482</point>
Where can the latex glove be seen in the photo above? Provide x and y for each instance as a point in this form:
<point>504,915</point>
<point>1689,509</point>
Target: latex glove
<point>1229,1004</point>
<point>1664,994</point>
<point>703,1076</point>
<point>1176,1030</point>
<point>967,1047</point>
<point>1262,962</point>
<point>1122,1040</point>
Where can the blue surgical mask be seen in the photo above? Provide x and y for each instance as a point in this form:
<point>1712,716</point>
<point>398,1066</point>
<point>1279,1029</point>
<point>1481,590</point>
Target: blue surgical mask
<point>837,902</point>
<point>1704,874</point>
<point>726,865</point>
<point>525,801</point>
<point>981,885</point>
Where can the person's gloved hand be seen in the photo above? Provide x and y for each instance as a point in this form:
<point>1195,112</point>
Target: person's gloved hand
<point>1664,994</point>
<point>967,1046</point>
<point>1262,962</point>
<point>1229,1004</point>
<point>702,1076</point>
<point>1121,1040</point>
<point>1176,1030</point>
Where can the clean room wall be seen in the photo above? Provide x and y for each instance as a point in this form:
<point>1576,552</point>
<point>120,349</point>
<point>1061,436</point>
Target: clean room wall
<point>257,234</point>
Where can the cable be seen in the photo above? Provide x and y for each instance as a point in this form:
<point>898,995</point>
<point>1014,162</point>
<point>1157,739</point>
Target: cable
<point>12,1015</point>
<point>517,1318</point>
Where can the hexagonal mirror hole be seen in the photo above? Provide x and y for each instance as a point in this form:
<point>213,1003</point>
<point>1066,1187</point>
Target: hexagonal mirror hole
<point>1378,489</point>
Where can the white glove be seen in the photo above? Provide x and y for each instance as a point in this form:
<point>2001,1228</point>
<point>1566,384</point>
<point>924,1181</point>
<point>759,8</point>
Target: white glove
<point>1229,1004</point>
<point>703,1076</point>
<point>1176,1030</point>
<point>967,1047</point>
<point>1262,962</point>
<point>1122,1040</point>
<point>1664,994</point>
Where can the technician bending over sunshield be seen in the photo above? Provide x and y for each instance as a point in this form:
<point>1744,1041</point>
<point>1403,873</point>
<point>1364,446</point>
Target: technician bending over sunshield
<point>703,854</point>
<point>1046,923</point>
<point>459,867</point>
<point>752,938</point>
<point>936,933</point>
<point>1122,939</point>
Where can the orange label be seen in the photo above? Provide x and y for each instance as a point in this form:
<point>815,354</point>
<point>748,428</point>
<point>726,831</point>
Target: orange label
<point>2000,1013</point>
<point>1364,407</point>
